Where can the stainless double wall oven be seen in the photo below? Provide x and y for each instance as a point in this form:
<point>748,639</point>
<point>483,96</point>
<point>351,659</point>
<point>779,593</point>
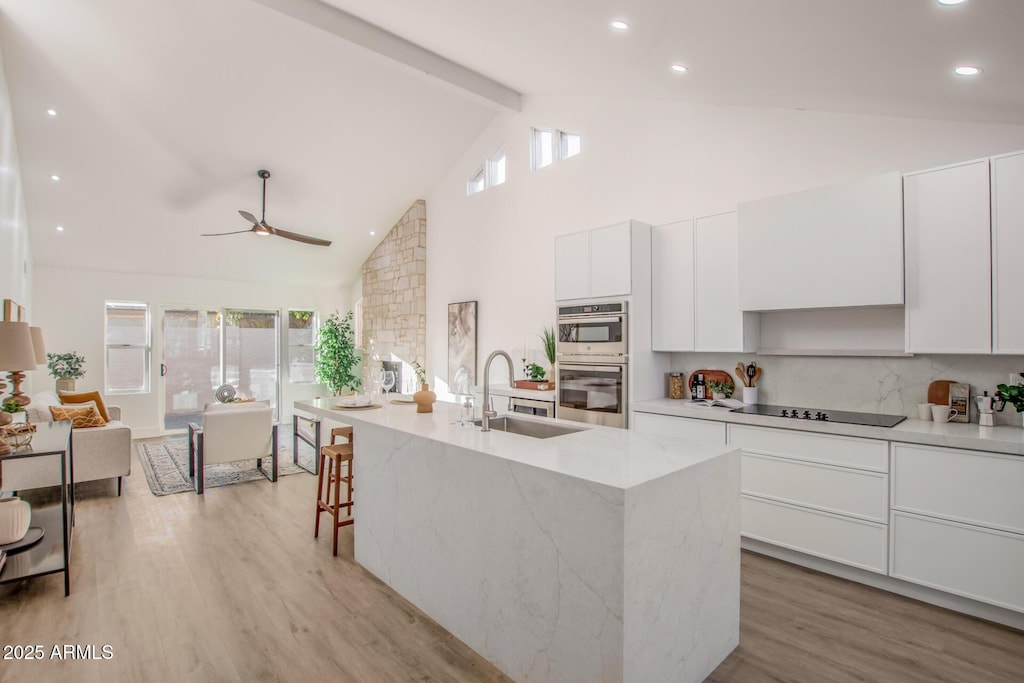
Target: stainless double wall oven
<point>592,363</point>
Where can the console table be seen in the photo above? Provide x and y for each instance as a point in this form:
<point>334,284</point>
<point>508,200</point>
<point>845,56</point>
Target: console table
<point>52,553</point>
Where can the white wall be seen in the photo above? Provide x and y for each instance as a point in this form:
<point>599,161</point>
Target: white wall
<point>655,161</point>
<point>15,251</point>
<point>69,305</point>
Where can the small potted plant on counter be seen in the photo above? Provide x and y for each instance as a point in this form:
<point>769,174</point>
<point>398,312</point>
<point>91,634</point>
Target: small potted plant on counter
<point>65,368</point>
<point>721,388</point>
<point>1012,394</point>
<point>536,382</point>
<point>547,335</point>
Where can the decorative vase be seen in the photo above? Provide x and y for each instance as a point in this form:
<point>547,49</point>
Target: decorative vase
<point>424,399</point>
<point>718,397</point>
<point>65,384</point>
<point>15,517</point>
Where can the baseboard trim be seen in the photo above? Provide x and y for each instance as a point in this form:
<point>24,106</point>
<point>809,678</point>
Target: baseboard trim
<point>931,596</point>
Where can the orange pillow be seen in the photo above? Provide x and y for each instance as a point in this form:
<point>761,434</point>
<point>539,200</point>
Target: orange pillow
<point>71,398</point>
<point>80,416</point>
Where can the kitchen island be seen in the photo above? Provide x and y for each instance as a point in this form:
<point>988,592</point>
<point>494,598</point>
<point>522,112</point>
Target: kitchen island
<point>600,555</point>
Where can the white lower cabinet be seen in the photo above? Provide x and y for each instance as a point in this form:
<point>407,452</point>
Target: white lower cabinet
<point>958,522</point>
<point>819,494</point>
<point>834,537</point>
<point>972,561</point>
<point>687,429</point>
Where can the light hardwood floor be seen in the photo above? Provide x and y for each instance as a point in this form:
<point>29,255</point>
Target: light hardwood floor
<point>231,586</point>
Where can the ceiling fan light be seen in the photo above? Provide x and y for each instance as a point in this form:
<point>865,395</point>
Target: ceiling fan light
<point>261,230</point>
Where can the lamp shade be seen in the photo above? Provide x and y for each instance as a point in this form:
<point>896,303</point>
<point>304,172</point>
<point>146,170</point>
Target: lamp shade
<point>16,350</point>
<point>37,345</point>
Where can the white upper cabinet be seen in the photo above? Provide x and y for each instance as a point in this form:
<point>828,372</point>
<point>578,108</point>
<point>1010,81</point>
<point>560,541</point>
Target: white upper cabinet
<point>721,324</point>
<point>949,297</point>
<point>1007,252</point>
<point>572,266</point>
<point>596,263</point>
<point>610,271</point>
<point>672,274</point>
<point>828,247</point>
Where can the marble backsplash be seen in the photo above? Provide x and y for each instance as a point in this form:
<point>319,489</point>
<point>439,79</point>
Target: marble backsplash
<point>864,384</point>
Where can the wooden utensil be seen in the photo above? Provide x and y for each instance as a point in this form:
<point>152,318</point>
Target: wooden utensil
<point>757,376</point>
<point>938,391</point>
<point>741,372</point>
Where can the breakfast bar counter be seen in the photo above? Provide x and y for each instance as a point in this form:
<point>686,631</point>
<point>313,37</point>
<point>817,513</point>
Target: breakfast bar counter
<point>598,555</point>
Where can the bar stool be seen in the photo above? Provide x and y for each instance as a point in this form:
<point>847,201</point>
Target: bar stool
<point>331,459</point>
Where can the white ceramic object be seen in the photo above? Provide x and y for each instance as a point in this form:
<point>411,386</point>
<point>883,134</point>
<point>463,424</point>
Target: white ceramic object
<point>749,395</point>
<point>924,411</point>
<point>942,413</point>
<point>15,518</point>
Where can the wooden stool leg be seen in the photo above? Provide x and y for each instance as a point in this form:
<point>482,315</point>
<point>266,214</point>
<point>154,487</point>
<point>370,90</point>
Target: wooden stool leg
<point>337,496</point>
<point>319,494</point>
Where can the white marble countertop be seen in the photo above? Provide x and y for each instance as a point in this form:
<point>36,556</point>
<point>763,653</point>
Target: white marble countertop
<point>618,458</point>
<point>970,436</point>
<point>506,390</point>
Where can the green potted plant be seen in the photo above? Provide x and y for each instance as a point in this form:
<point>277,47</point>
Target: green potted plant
<point>535,372</point>
<point>547,335</point>
<point>65,368</point>
<point>336,355</point>
<point>721,388</point>
<point>1012,394</point>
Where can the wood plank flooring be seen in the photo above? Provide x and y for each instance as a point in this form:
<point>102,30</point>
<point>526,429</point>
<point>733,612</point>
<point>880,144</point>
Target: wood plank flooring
<point>232,586</point>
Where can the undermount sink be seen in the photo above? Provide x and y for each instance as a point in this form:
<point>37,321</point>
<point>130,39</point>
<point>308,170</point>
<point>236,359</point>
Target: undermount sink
<point>538,430</point>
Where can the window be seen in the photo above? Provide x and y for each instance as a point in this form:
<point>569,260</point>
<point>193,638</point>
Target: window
<point>476,183</point>
<point>496,168</point>
<point>302,326</point>
<point>543,154</point>
<point>548,146</point>
<point>127,348</point>
<point>568,146</point>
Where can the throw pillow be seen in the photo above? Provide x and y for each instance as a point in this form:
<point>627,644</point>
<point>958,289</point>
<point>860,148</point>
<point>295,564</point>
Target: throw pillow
<point>85,415</point>
<point>68,397</point>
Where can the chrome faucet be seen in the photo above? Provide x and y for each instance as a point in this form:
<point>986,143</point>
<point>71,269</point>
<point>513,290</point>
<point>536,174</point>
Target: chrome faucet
<point>488,412</point>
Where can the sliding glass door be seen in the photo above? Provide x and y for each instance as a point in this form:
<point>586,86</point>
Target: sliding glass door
<point>205,348</point>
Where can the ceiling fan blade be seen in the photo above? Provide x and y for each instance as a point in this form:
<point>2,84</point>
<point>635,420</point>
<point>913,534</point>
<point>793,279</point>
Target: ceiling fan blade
<point>249,217</point>
<point>218,234</point>
<point>305,239</point>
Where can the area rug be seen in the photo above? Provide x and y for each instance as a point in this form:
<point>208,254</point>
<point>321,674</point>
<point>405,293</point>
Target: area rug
<point>166,466</point>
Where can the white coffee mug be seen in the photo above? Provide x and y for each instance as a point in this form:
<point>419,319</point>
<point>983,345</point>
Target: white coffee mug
<point>943,413</point>
<point>924,411</point>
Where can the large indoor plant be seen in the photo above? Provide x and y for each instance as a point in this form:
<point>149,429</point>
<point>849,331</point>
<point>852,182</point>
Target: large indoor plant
<point>65,368</point>
<point>337,355</point>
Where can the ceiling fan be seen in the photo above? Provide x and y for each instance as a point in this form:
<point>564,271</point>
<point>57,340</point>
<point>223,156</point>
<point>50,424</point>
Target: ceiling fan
<point>261,227</point>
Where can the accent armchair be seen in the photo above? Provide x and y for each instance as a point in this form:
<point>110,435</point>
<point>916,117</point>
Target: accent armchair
<point>231,432</point>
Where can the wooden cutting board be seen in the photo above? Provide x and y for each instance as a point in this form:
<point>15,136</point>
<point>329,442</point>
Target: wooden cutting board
<point>938,391</point>
<point>717,375</point>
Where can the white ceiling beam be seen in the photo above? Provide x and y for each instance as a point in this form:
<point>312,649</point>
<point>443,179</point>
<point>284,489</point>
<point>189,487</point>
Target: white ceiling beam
<point>373,38</point>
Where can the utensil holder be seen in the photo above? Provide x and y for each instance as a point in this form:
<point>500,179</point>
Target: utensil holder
<point>749,395</point>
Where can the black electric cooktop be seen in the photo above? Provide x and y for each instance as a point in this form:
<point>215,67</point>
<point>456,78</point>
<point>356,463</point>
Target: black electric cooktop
<point>819,415</point>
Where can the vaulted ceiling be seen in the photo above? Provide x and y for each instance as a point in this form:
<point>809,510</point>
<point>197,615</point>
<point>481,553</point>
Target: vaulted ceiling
<point>166,110</point>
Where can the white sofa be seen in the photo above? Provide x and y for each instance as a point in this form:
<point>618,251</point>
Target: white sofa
<point>99,452</point>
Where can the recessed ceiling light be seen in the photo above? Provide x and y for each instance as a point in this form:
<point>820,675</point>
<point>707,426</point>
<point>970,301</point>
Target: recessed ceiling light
<point>51,112</point>
<point>967,70</point>
<point>60,228</point>
<point>620,25</point>
<point>55,178</point>
<point>373,232</point>
<point>951,2</point>
<point>679,68</point>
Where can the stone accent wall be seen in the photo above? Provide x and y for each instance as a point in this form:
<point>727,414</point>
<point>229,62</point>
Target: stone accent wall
<point>395,289</point>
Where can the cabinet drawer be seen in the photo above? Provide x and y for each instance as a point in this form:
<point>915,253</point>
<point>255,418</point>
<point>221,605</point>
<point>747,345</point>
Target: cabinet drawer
<point>969,486</point>
<point>978,563</point>
<point>840,539</point>
<point>865,454</point>
<point>687,429</point>
<point>832,489</point>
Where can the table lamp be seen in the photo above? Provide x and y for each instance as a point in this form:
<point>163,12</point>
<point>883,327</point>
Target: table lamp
<point>17,354</point>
